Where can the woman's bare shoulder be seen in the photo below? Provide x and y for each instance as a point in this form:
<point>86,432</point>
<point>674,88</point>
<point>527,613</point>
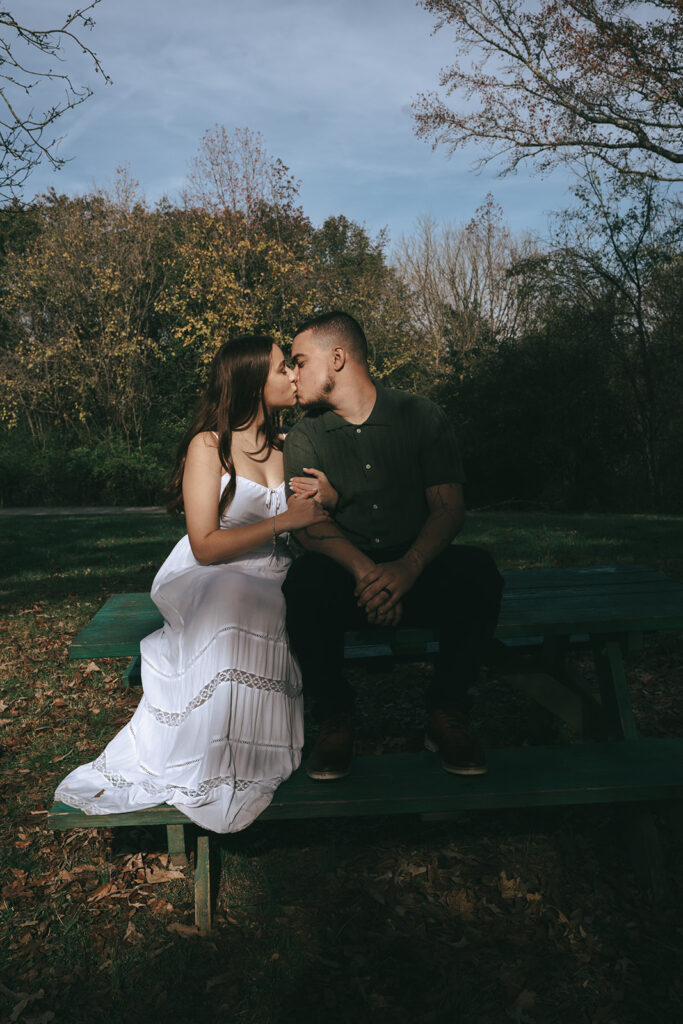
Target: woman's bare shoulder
<point>203,445</point>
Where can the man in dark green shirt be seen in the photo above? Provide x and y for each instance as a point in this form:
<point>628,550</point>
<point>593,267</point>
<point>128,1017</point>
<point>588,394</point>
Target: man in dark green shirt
<point>387,557</point>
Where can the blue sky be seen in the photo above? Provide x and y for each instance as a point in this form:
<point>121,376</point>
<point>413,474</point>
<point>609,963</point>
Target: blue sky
<point>328,83</point>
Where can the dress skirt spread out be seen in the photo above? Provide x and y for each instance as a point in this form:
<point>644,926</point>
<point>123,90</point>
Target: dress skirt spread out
<point>220,722</point>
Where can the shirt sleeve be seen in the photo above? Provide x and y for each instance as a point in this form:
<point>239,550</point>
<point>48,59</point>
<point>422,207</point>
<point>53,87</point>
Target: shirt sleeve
<point>440,460</point>
<point>298,452</point>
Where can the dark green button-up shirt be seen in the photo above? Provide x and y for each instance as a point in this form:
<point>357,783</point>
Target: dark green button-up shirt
<point>380,468</point>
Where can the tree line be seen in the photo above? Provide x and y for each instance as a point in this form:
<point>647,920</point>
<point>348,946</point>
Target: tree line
<point>558,360</point>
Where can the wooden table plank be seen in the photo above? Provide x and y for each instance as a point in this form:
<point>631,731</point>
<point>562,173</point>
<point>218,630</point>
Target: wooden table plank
<point>118,627</point>
<point>583,576</point>
<point>551,602</point>
<point>586,773</point>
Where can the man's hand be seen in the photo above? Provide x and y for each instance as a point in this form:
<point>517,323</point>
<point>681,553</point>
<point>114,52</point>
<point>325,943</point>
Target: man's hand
<point>386,618</point>
<point>379,592</point>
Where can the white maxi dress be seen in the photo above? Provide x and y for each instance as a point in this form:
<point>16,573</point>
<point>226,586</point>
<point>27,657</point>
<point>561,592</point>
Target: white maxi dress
<point>220,722</point>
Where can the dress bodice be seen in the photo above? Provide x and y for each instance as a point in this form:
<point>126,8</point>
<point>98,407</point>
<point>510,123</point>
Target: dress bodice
<point>252,502</point>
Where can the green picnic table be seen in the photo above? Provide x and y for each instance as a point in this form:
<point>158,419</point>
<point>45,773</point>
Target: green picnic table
<point>545,614</point>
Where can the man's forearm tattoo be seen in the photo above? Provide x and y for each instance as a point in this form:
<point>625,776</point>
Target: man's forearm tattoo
<point>308,531</point>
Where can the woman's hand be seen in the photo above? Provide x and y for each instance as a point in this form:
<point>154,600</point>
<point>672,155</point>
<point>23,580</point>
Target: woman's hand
<point>316,484</point>
<point>302,512</point>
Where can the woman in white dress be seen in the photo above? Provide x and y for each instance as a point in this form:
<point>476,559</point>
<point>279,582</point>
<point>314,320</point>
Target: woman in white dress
<point>220,723</point>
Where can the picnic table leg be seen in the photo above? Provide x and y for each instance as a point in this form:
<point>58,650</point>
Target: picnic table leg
<point>132,676</point>
<point>616,699</point>
<point>646,850</point>
<point>202,883</point>
<point>176,845</point>
<point>555,687</point>
<point>640,825</point>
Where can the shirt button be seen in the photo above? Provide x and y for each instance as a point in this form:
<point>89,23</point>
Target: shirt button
<point>375,507</point>
<point>376,540</point>
<point>358,430</point>
<point>368,466</point>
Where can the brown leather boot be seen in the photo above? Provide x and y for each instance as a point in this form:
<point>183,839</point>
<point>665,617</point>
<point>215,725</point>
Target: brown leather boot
<point>460,752</point>
<point>333,751</point>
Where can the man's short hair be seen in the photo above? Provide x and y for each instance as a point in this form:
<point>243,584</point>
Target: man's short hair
<point>345,326</point>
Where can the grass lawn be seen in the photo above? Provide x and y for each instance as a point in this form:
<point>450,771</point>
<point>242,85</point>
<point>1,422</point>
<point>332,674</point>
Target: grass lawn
<point>523,916</point>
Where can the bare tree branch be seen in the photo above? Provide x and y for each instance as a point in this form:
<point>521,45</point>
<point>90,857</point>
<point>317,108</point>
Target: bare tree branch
<point>26,65</point>
<point>559,79</point>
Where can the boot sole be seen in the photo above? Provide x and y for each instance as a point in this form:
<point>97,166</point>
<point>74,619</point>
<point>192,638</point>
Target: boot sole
<point>473,770</point>
<point>320,775</point>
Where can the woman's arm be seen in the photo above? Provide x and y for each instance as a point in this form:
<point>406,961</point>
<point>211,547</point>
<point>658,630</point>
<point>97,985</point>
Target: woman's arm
<point>201,495</point>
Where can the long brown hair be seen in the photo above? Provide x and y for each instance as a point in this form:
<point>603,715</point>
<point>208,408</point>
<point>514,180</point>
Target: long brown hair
<point>232,398</point>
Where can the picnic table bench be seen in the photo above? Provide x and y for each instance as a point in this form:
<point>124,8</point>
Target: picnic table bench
<point>545,614</point>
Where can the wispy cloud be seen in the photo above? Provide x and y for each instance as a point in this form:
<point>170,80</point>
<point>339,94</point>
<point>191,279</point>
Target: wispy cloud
<point>327,82</point>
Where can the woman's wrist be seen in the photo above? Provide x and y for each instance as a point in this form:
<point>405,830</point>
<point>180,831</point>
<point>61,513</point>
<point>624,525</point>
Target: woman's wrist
<point>280,523</point>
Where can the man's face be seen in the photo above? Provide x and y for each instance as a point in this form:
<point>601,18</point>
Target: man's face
<point>314,369</point>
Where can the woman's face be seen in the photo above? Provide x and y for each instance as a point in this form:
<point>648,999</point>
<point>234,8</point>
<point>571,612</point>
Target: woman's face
<point>280,389</point>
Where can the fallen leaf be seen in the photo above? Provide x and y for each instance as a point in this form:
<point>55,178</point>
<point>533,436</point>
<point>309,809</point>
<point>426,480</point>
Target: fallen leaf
<point>91,667</point>
<point>101,892</point>
<point>20,1007</point>
<point>132,862</point>
<point>510,888</point>
<point>220,979</point>
<point>24,998</point>
<point>154,874</point>
<point>459,903</point>
<point>526,999</point>
<point>132,934</point>
<point>160,906</point>
<point>187,931</point>
<point>413,869</point>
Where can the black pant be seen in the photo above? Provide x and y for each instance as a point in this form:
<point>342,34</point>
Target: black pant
<point>458,593</point>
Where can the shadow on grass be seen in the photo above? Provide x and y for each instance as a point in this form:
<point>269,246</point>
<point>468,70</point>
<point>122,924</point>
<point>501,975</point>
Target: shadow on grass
<point>88,556</point>
<point>527,916</point>
<point>84,556</point>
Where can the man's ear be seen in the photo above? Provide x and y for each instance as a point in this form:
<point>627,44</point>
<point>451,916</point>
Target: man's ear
<point>338,358</point>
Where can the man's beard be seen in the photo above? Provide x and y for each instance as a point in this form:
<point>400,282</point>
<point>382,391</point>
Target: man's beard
<point>321,401</point>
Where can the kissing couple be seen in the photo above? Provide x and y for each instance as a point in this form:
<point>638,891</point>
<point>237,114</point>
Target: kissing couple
<point>369,482</point>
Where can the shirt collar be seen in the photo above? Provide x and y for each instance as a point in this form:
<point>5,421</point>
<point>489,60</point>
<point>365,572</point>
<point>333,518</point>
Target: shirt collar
<point>380,415</point>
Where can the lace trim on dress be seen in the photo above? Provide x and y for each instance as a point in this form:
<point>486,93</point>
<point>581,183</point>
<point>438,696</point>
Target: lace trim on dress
<point>184,764</point>
<point>226,675</point>
<point>224,629</point>
<point>258,743</point>
<point>81,802</point>
<point>207,786</point>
